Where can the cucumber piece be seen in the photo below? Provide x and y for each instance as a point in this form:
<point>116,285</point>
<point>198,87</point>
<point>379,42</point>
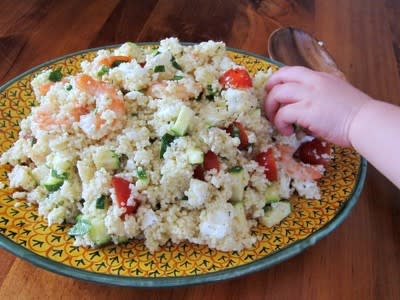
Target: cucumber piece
<point>276,213</point>
<point>239,183</point>
<point>107,159</point>
<point>272,193</point>
<point>240,214</point>
<point>195,156</point>
<point>52,184</point>
<point>185,117</point>
<point>62,176</point>
<point>98,232</point>
<point>81,227</point>
<point>60,163</point>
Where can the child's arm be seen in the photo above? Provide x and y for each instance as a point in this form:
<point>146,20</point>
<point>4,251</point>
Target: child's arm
<point>337,112</point>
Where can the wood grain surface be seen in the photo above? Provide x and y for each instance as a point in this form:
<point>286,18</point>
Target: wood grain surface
<point>361,259</point>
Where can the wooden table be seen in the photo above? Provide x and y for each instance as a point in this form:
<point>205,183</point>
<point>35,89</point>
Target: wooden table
<point>361,259</point>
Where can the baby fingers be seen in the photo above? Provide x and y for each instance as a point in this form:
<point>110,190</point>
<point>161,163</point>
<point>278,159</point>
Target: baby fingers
<point>290,74</point>
<point>283,94</point>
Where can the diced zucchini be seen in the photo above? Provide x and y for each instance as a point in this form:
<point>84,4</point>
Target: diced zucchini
<point>195,156</point>
<point>240,214</point>
<point>81,227</point>
<point>60,163</point>
<point>185,117</point>
<point>276,213</point>
<point>122,239</point>
<point>272,193</point>
<point>98,232</point>
<point>239,183</point>
<point>106,159</point>
<point>52,184</point>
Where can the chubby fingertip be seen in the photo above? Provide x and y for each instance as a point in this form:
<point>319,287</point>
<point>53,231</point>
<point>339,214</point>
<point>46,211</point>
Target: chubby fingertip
<point>286,129</point>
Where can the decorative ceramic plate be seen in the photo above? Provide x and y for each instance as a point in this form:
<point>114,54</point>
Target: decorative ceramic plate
<point>24,233</point>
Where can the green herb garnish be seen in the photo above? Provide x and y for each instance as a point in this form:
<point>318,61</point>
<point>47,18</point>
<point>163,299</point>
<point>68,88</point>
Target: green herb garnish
<point>177,77</point>
<point>210,92</point>
<point>141,174</point>
<point>159,69</point>
<point>117,63</point>
<point>175,64</point>
<point>56,75</point>
<point>68,87</point>
<point>100,202</point>
<point>103,70</point>
<point>33,141</point>
<point>166,140</point>
<point>235,169</point>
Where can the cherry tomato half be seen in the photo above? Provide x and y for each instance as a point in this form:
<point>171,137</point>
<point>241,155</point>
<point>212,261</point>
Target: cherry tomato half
<point>236,78</point>
<point>210,161</point>
<point>267,160</point>
<point>122,193</point>
<point>315,152</point>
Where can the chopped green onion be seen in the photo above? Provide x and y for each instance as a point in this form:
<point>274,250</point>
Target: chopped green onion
<point>159,69</point>
<point>103,70</point>
<point>235,169</point>
<point>177,77</point>
<point>141,173</point>
<point>156,52</point>
<point>68,87</point>
<point>175,64</point>
<point>166,140</point>
<point>55,75</point>
<point>100,202</point>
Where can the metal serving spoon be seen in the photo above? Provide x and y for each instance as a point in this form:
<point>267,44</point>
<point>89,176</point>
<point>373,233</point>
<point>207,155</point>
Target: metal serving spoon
<point>293,46</point>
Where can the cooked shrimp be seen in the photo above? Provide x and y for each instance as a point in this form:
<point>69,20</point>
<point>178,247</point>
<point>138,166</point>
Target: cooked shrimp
<point>44,88</point>
<point>163,89</point>
<point>110,113</point>
<point>47,117</point>
<point>110,60</point>
<point>97,119</point>
<point>295,169</point>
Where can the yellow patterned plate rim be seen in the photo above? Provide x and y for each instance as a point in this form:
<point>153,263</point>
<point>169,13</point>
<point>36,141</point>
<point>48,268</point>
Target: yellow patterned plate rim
<point>269,260</point>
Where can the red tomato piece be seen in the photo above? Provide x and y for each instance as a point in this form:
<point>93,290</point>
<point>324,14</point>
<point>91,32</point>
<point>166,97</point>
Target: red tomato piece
<point>198,172</point>
<point>267,160</point>
<point>315,152</point>
<point>236,129</point>
<point>122,193</point>
<point>211,161</point>
<point>236,78</point>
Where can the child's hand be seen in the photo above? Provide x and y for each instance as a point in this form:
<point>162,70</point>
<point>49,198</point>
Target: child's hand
<point>319,102</point>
